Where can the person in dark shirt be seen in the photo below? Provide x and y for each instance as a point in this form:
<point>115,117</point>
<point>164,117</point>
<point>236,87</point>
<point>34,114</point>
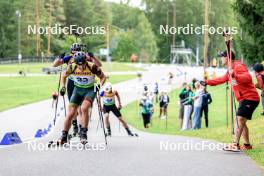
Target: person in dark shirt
<point>207,99</point>
<point>182,96</point>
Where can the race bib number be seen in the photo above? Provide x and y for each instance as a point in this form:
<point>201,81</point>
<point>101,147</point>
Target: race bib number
<point>84,80</point>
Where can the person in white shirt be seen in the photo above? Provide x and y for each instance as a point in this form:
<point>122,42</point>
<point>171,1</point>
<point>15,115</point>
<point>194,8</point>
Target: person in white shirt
<point>197,106</point>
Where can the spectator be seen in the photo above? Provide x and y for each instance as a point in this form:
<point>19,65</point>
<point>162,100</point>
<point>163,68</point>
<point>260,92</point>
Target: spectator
<point>259,72</point>
<point>146,110</point>
<point>156,92</point>
<point>182,96</point>
<point>164,101</point>
<point>170,78</point>
<point>193,83</point>
<point>207,99</point>
<point>187,102</point>
<point>197,106</point>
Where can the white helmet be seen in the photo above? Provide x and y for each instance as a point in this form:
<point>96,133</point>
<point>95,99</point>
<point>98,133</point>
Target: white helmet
<point>108,87</point>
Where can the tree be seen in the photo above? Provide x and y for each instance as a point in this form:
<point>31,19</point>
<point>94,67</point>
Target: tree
<point>251,19</point>
<point>145,39</point>
<point>126,46</point>
<point>8,28</point>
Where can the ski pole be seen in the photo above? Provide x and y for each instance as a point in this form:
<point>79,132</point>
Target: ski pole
<point>229,62</point>
<point>101,115</point>
<point>64,105</point>
<point>56,106</point>
<point>227,104</point>
<point>234,102</point>
<point>166,123</point>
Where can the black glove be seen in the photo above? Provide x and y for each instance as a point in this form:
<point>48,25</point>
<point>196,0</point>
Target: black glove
<point>62,55</point>
<point>62,91</point>
<point>203,83</point>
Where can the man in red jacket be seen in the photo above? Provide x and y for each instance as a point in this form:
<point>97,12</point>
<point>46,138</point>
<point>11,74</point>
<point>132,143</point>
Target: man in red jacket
<point>245,93</point>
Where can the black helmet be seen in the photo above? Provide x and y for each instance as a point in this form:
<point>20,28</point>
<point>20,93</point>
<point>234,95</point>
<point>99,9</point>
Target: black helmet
<point>76,47</point>
<point>258,67</point>
<point>79,57</point>
<point>224,54</point>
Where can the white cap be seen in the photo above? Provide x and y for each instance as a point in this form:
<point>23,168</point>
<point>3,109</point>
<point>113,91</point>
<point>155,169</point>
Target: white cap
<point>107,87</point>
<point>144,98</point>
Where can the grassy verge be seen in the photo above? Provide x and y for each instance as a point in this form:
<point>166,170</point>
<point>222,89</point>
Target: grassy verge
<point>37,67</point>
<point>217,122</point>
<point>16,91</point>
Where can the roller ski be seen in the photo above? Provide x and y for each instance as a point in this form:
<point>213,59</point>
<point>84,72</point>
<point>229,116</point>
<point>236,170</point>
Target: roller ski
<point>130,133</point>
<point>63,141</point>
<point>233,147</point>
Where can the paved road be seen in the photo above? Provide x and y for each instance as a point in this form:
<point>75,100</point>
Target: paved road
<point>125,155</point>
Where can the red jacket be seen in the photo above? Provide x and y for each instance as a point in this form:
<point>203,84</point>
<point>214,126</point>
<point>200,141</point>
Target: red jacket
<point>242,83</point>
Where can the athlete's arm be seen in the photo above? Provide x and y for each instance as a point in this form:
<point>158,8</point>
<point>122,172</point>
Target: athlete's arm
<point>118,99</point>
<point>61,60</point>
<point>57,62</point>
<point>93,59</point>
<point>65,74</point>
<point>99,73</point>
<point>97,62</point>
<point>217,81</point>
<point>63,78</point>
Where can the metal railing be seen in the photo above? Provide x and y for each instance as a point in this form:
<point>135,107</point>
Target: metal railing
<point>14,60</point>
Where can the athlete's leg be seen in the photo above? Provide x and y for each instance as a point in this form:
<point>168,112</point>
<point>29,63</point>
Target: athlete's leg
<point>67,123</point>
<point>241,122</point>
<point>84,112</point>
<point>107,124</point>
<point>72,109</point>
<point>245,134</point>
<point>123,122</point>
<point>86,104</point>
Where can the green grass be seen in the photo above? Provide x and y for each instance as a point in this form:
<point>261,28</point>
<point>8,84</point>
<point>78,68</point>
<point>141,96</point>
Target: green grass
<point>16,91</point>
<point>37,67</point>
<point>217,122</point>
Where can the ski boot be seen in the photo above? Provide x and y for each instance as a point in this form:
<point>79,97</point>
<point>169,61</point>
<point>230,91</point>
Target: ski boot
<point>108,133</point>
<point>75,128</point>
<point>130,133</point>
<point>83,135</point>
<point>62,141</point>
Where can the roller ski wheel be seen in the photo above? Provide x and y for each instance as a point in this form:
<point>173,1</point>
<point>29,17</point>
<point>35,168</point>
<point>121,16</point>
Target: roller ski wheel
<point>57,143</point>
<point>50,144</point>
<point>83,141</point>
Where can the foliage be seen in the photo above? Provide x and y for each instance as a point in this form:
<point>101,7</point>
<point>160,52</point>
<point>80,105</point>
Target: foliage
<point>251,19</point>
